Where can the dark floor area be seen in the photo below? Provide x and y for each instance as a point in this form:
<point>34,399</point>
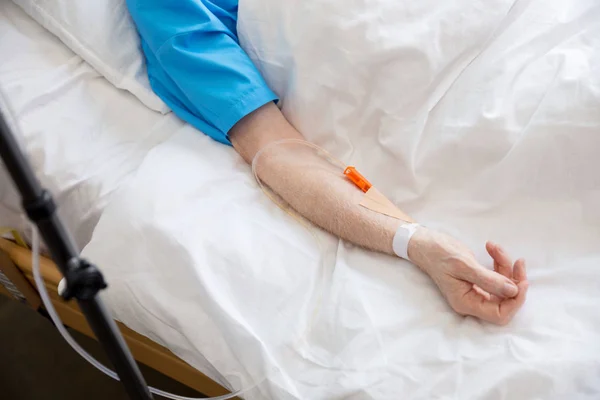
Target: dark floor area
<point>37,364</point>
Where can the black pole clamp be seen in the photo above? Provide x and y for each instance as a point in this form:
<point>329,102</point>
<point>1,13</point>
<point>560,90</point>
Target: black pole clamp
<point>40,208</point>
<point>83,280</point>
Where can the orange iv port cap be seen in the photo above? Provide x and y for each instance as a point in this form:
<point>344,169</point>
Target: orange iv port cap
<point>355,177</point>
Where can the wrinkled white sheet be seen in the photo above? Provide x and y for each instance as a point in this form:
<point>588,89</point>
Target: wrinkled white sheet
<point>481,118</point>
<point>83,137</point>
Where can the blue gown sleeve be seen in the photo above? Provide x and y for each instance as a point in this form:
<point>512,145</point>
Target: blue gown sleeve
<point>195,63</point>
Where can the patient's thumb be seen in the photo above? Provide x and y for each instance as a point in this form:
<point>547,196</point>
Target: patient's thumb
<point>495,283</point>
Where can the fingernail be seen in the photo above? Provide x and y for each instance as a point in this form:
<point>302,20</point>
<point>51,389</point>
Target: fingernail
<point>510,289</point>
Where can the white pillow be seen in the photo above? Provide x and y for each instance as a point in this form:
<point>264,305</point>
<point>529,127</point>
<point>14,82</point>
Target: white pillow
<point>103,34</point>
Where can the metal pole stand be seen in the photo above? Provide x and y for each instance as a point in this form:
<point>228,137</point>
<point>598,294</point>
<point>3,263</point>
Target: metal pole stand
<point>83,279</point>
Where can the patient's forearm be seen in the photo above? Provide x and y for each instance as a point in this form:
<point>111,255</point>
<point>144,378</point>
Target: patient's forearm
<point>312,186</point>
<point>320,192</point>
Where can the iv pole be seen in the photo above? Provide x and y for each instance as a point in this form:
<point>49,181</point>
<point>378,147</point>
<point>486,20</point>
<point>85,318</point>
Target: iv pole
<point>84,280</point>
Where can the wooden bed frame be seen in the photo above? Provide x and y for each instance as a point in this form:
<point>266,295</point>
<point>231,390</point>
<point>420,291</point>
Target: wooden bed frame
<point>15,263</point>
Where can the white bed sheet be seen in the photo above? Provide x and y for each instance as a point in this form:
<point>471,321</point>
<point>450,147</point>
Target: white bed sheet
<point>82,135</point>
<point>502,143</point>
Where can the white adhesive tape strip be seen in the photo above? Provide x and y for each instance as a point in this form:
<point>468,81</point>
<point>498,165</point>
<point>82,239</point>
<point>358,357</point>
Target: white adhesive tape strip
<point>401,239</point>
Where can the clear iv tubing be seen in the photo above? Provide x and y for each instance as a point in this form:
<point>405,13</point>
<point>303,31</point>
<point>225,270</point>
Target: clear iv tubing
<point>69,339</point>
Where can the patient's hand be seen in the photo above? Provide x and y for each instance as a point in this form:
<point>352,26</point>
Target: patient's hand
<point>470,288</point>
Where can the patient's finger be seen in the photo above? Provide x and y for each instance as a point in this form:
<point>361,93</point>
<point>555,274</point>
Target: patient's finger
<point>502,262</point>
<point>482,292</point>
<point>497,312</point>
<point>509,307</point>
<point>490,281</point>
<point>519,271</point>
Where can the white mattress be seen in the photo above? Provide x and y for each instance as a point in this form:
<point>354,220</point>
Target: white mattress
<point>83,137</point>
<point>201,262</point>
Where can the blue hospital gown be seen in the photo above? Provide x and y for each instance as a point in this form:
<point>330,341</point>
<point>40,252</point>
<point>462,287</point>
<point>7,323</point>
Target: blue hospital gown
<point>195,63</point>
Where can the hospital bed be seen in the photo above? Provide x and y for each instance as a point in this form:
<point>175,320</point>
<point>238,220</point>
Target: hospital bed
<point>216,287</point>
